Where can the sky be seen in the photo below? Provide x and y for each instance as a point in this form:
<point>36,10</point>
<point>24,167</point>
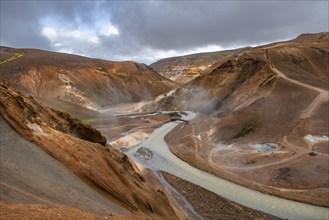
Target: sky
<point>146,31</point>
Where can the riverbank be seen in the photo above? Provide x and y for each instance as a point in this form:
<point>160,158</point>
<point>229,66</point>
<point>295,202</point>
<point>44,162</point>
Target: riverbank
<point>195,153</point>
<point>154,154</point>
<point>212,206</point>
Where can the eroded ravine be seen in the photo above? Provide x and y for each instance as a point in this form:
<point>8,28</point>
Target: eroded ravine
<point>154,154</point>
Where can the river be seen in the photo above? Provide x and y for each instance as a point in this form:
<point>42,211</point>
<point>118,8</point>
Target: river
<point>154,153</point>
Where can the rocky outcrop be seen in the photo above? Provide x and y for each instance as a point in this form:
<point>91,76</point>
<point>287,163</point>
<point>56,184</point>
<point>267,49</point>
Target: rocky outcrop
<point>34,114</point>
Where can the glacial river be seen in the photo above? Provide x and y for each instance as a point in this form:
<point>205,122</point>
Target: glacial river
<point>159,157</point>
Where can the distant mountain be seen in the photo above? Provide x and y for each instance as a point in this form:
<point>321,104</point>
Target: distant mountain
<point>183,69</point>
<point>91,83</point>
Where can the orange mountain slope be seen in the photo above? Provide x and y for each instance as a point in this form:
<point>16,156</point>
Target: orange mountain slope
<point>91,83</point>
<point>183,69</point>
<point>48,157</point>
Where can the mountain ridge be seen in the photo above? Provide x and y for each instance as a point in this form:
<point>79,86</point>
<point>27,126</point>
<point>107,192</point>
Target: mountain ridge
<point>88,82</point>
<point>265,113</point>
<point>183,69</point>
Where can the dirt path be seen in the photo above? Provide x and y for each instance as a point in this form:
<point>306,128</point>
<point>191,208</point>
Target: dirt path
<point>322,97</point>
<point>298,152</point>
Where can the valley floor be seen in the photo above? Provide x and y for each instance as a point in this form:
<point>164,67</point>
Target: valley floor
<point>126,130</point>
<point>282,174</point>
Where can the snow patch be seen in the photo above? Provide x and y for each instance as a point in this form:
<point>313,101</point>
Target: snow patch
<point>313,139</point>
<point>37,129</point>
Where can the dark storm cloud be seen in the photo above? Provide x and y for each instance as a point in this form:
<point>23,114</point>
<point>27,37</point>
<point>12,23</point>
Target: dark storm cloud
<point>168,25</point>
<point>20,20</point>
<point>19,25</point>
<point>147,30</point>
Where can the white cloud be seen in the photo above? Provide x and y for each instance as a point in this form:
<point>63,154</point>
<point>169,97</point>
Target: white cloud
<point>93,39</point>
<point>84,41</point>
<point>109,30</point>
<point>65,50</point>
<point>72,33</point>
<point>49,33</point>
<point>69,40</point>
<point>149,55</point>
<point>58,45</point>
<point>80,35</point>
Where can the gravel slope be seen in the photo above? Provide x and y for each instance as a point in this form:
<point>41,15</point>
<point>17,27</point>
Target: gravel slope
<point>29,175</point>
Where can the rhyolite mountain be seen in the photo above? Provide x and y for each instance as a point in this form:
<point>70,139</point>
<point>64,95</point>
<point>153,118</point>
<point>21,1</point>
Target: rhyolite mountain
<point>263,112</point>
<point>183,69</point>
<point>87,82</point>
<point>273,97</point>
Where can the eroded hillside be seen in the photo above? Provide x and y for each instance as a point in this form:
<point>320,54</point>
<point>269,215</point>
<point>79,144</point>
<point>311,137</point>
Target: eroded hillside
<point>57,149</point>
<point>90,83</point>
<point>183,69</point>
<point>267,113</point>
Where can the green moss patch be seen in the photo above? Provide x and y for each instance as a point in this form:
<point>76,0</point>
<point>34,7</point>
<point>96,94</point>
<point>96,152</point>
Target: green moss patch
<point>246,130</point>
<point>100,68</point>
<point>15,56</point>
<point>88,119</point>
